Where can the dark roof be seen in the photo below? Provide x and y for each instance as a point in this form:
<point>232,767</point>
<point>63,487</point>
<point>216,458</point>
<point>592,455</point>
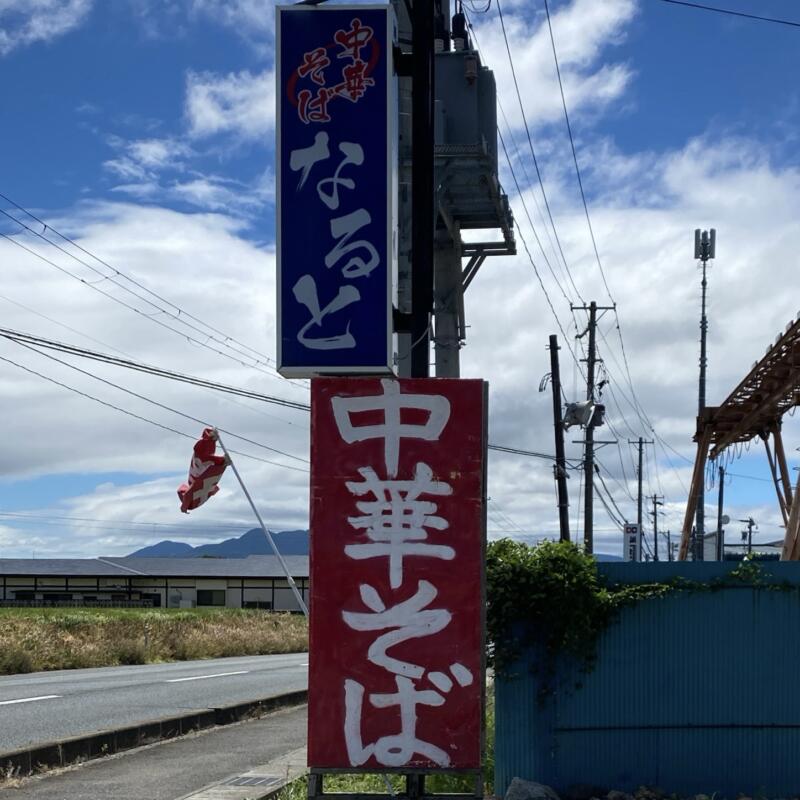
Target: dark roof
<point>252,567</point>
<point>68,567</point>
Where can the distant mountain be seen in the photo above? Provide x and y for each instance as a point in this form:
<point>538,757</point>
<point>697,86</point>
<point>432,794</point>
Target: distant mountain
<point>606,557</point>
<point>166,549</point>
<point>252,543</point>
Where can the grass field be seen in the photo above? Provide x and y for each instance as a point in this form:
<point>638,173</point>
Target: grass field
<point>33,639</point>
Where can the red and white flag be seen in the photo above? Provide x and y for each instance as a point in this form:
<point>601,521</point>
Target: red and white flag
<point>204,473</point>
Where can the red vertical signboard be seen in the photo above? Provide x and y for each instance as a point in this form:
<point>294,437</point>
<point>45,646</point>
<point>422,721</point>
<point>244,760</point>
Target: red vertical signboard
<point>397,543</point>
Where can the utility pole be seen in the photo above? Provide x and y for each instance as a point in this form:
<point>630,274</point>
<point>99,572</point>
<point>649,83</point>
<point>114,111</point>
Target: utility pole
<point>588,453</point>
<point>670,552</point>
<point>720,540</point>
<point>748,534</point>
<point>639,496</point>
<point>560,467</point>
<point>422,185</point>
<point>654,513</point>
<point>588,458</point>
<point>704,250</point>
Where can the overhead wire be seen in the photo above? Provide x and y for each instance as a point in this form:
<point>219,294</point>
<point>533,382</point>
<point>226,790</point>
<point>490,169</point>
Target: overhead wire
<point>528,182</point>
<point>33,343</point>
<point>732,13</point>
<point>22,515</point>
<point>198,382</point>
<point>124,526</point>
<point>116,272</point>
<point>644,419</point>
<point>151,317</point>
<point>160,405</point>
<point>231,354</point>
<point>530,138</point>
<point>521,195</point>
<point>609,494</point>
<point>530,221</point>
<point>138,416</point>
<point>574,153</point>
<point>41,342</point>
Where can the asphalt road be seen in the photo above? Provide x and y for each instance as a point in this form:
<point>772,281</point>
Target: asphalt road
<point>50,706</point>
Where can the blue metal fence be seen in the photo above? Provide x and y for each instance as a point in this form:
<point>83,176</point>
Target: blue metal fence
<point>694,693</point>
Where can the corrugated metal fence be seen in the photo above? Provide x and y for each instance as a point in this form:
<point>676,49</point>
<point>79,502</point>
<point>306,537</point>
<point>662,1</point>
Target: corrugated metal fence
<point>693,693</point>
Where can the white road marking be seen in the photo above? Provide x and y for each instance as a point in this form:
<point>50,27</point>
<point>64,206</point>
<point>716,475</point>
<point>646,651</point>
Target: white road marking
<point>29,699</point>
<point>203,677</point>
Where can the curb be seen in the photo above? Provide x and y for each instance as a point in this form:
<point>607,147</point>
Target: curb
<point>105,743</point>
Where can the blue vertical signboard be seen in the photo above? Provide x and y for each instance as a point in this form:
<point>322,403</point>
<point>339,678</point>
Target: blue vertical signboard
<point>336,128</point>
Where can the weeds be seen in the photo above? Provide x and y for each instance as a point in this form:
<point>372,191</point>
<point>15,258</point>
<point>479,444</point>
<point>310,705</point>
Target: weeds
<point>438,783</point>
<point>44,639</point>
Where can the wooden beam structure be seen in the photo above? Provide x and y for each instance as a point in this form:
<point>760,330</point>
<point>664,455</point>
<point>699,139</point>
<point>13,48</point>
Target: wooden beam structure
<point>698,476</point>
<point>755,408</point>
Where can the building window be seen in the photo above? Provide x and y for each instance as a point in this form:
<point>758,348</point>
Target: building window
<point>211,597</point>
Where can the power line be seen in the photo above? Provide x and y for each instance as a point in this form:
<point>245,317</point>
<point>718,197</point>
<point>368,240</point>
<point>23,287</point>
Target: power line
<point>38,341</point>
<point>732,13</point>
<point>137,416</point>
<point>182,313</point>
<point>546,295</point>
<point>637,408</point>
<point>563,266</point>
<point>198,382</point>
<point>234,355</point>
<point>95,523</point>
<point>530,139</point>
<point>160,405</point>
<point>622,517</point>
<point>530,221</point>
<point>591,228</point>
<point>518,452</point>
<point>574,154</point>
<point>529,182</point>
<point>31,342</point>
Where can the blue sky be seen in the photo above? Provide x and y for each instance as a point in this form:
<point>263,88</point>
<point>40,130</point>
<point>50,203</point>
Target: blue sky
<point>145,130</point>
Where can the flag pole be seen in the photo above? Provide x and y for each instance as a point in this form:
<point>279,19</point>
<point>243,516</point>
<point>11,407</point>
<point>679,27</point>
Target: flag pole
<point>292,584</point>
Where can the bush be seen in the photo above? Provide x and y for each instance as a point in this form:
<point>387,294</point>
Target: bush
<point>131,651</point>
<point>69,639</point>
<point>14,661</point>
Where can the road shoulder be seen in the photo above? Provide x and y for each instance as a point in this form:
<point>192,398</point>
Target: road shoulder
<point>104,743</point>
<point>175,768</point>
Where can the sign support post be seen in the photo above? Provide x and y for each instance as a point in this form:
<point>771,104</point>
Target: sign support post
<point>292,584</point>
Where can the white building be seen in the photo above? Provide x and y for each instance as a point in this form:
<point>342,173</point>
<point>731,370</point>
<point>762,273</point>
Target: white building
<point>254,582</point>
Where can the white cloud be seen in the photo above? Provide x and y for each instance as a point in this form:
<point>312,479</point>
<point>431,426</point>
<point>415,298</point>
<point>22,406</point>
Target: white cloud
<point>241,103</point>
<point>251,19</point>
<point>148,167</point>
<point>26,22</point>
<point>582,30</point>
<point>143,159</point>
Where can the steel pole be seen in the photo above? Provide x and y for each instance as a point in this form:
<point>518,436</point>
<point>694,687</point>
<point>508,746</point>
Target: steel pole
<point>561,464</point>
<point>655,527</point>
<point>701,404</point>
<point>422,186</point>
<point>720,499</point>
<point>588,460</point>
